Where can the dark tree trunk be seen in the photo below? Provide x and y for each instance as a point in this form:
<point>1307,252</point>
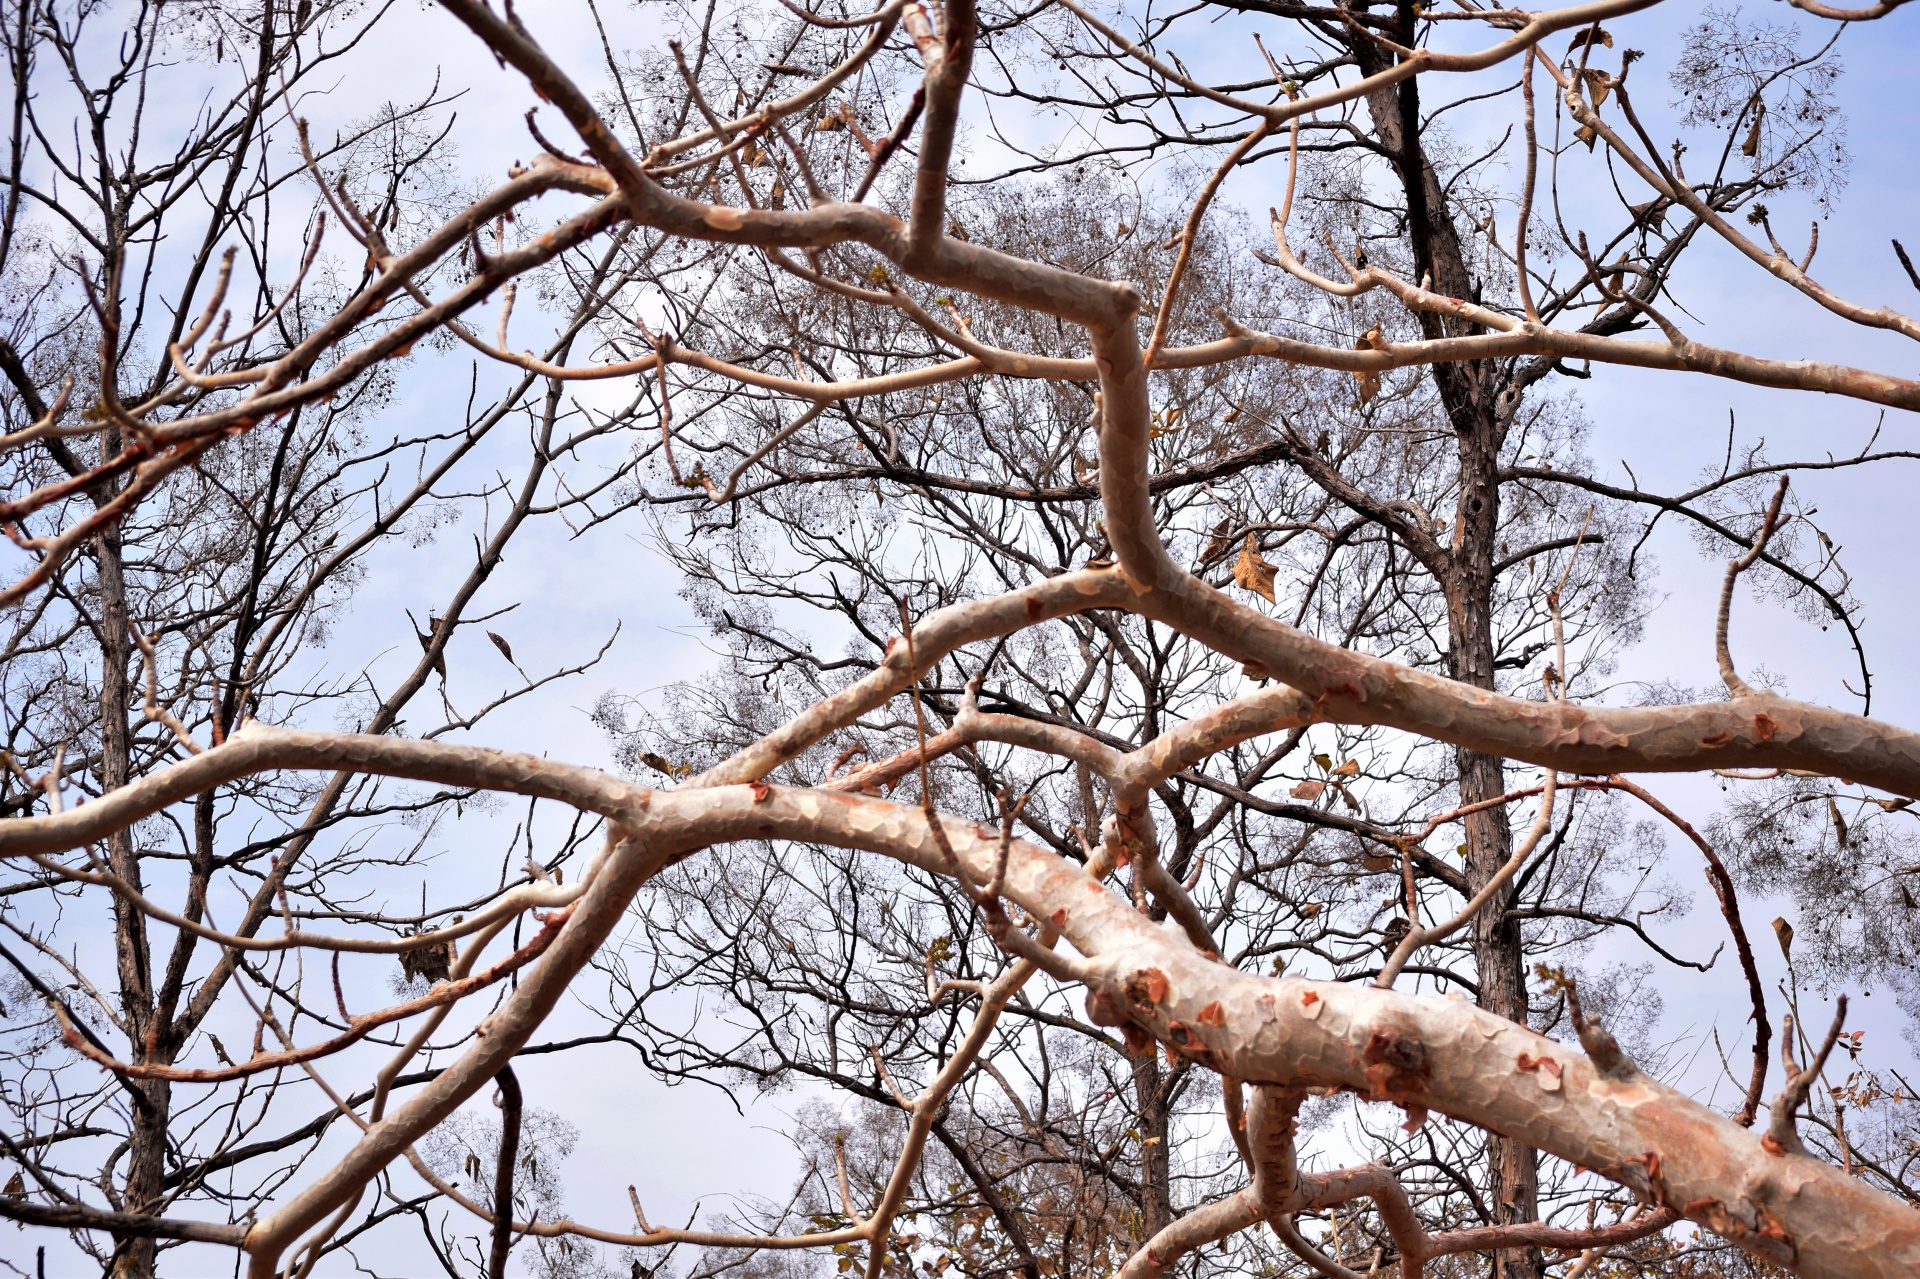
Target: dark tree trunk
<point>146,1167</point>
<point>1469,392</point>
<point>1151,1089</point>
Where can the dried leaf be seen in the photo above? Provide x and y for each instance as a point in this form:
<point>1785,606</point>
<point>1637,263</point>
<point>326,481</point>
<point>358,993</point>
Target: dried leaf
<point>426,643</point>
<point>1586,134</point>
<point>1217,541</point>
<point>433,961</point>
<point>1325,762</point>
<point>1253,573</point>
<point>1369,379</point>
<point>1839,823</point>
<point>1596,35</point>
<point>1599,85</point>
<point>662,765</point>
<point>1308,791</point>
<point>1784,931</point>
<point>1751,147</point>
<point>1349,769</point>
<point>16,1186</point>
<point>505,650</point>
<point>1893,805</point>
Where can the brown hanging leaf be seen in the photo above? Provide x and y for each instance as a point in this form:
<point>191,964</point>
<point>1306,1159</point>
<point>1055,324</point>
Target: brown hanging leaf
<point>1308,791</point>
<point>1369,379</point>
<point>1585,133</point>
<point>501,644</point>
<point>426,639</point>
<point>1217,541</point>
<point>1253,573</point>
<point>1784,931</point>
<point>1839,822</point>
<point>664,766</point>
<point>1594,35</point>
<point>1751,147</point>
<point>1894,805</point>
<point>16,1186</point>
<point>1599,85</point>
<point>1349,769</point>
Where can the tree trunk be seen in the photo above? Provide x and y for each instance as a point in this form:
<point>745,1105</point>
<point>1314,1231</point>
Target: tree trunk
<point>146,1167</point>
<point>1469,396</point>
<point>1151,1086</point>
<point>1499,958</point>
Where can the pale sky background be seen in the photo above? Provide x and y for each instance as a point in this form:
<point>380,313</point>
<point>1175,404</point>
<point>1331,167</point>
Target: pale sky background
<point>683,1145</point>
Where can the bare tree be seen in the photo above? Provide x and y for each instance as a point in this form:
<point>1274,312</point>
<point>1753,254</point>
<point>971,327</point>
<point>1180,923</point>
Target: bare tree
<point>986,429</point>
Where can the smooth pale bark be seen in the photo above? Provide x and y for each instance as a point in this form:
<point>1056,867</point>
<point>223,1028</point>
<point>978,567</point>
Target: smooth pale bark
<point>1436,1054</point>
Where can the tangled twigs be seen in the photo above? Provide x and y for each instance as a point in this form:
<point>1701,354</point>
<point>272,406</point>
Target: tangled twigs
<point>441,996</point>
<point>1419,936</point>
<point>1729,899</point>
<point>1769,524</point>
<point>152,708</point>
<point>1782,1135</point>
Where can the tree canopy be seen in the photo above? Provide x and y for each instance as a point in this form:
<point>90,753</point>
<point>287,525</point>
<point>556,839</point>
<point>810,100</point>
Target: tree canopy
<point>1161,797</point>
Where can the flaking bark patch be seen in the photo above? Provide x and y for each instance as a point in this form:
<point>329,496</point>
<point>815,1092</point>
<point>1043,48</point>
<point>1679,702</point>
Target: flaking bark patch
<point>1147,987</point>
<point>1397,1063</point>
